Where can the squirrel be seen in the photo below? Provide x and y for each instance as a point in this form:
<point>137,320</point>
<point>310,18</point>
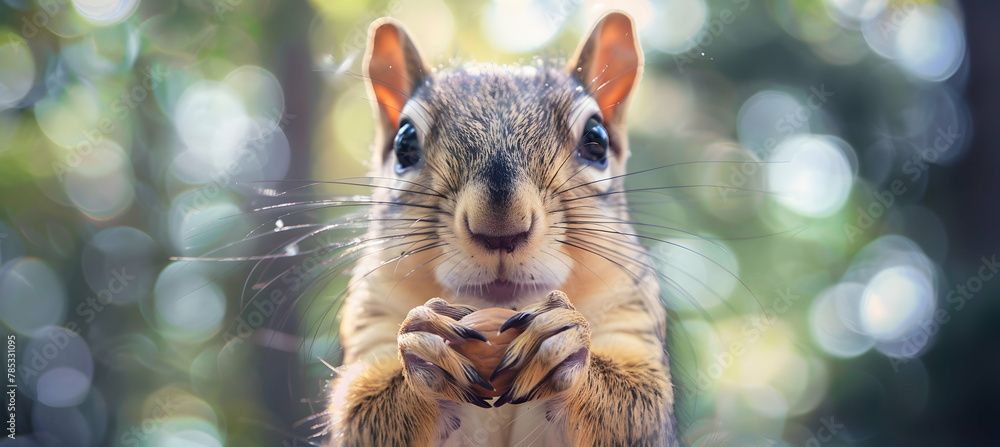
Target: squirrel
<point>510,194</point>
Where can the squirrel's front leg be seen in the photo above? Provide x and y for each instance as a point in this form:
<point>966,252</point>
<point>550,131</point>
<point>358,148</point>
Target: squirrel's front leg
<point>600,396</point>
<point>401,400</point>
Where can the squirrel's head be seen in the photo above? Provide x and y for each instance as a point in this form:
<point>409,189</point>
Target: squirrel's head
<point>498,165</point>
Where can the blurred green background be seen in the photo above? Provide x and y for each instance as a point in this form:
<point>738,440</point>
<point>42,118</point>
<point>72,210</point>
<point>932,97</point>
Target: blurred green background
<point>829,278</point>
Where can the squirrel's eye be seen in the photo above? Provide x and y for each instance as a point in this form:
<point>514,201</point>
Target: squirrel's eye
<point>407,148</point>
<point>593,147</point>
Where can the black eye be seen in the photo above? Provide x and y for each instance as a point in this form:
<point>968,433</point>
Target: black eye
<point>407,147</point>
<point>593,146</point>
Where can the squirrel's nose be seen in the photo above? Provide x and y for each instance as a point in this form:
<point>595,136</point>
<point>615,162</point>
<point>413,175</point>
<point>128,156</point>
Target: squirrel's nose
<point>508,243</point>
<point>495,235</point>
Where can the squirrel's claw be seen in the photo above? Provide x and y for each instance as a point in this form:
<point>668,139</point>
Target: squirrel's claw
<point>453,311</point>
<point>473,376</point>
<point>426,319</point>
<point>429,362</point>
<point>551,354</point>
<point>519,320</point>
<point>554,300</point>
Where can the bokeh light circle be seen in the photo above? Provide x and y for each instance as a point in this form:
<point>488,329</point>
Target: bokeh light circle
<point>224,141</point>
<point>895,301</point>
<point>930,43</point>
<point>643,12</point>
<point>834,319</point>
<point>62,386</point>
<point>766,400</point>
<point>811,175</point>
<point>255,159</point>
<point>188,305</point>
<point>263,159</point>
<point>99,180</point>
<point>119,264</point>
<point>33,296</point>
<point>763,121</point>
<point>17,73</point>
<point>185,431</point>
<point>69,114</point>
<point>105,12</point>
<point>858,9</point>
<point>213,123</point>
<point>190,438</point>
<point>768,370</point>
<point>899,302</point>
<point>697,273</point>
<point>519,25</point>
<point>106,52</point>
<point>261,95</point>
<point>887,251</point>
<point>56,367</point>
<point>432,24</point>
<point>200,219</point>
<point>680,25</point>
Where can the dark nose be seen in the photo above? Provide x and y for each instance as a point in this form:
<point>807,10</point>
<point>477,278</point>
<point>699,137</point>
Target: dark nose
<point>508,243</point>
<point>500,235</point>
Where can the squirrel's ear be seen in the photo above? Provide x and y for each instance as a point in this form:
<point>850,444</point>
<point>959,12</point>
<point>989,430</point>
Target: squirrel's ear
<point>392,69</point>
<point>609,63</point>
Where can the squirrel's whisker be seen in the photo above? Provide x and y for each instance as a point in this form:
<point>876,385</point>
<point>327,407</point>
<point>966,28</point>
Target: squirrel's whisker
<point>671,165</point>
<point>667,279</point>
<point>345,182</point>
<point>309,205</point>
<point>343,261</point>
<point>743,283</point>
<point>715,243</point>
<point>698,235</point>
<point>660,188</point>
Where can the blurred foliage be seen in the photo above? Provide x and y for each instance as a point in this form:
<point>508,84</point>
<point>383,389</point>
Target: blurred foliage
<point>806,276</point>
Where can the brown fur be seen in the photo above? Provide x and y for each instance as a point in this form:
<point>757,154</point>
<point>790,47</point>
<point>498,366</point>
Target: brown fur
<point>499,156</point>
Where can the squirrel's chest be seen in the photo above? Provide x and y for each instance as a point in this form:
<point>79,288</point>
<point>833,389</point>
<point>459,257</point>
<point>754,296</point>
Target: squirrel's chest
<point>510,425</point>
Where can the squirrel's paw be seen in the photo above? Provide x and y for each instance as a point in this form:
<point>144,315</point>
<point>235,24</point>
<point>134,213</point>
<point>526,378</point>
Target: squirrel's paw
<point>551,355</point>
<point>429,363</point>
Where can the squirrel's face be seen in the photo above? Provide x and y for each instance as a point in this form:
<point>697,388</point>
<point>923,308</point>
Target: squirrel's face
<point>498,164</point>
